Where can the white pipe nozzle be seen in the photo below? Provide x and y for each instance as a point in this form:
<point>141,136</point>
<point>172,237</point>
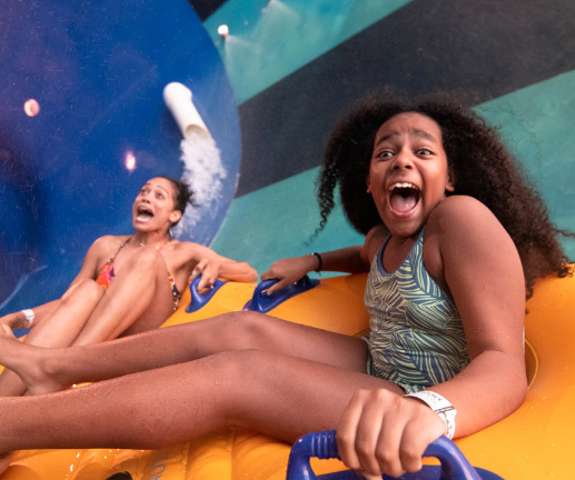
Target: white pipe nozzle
<point>178,99</point>
<point>223,30</point>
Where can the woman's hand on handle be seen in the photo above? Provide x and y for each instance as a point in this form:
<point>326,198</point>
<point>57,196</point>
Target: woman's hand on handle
<point>381,432</point>
<point>289,270</point>
<point>209,270</point>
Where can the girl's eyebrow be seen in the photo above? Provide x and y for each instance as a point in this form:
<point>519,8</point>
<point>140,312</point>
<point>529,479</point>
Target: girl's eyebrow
<point>423,134</point>
<point>414,131</point>
<point>386,137</point>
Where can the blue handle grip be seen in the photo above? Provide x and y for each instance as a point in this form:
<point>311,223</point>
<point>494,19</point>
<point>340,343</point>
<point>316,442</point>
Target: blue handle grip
<point>454,466</point>
<point>201,299</point>
<point>260,302</point>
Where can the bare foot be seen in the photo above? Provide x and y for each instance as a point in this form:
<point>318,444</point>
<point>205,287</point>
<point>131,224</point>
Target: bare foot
<point>31,364</point>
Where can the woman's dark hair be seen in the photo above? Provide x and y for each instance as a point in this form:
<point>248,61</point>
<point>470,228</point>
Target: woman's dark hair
<point>479,162</point>
<point>183,194</point>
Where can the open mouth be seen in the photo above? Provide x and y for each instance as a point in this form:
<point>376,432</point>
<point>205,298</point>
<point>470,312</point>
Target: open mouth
<point>403,197</point>
<point>144,213</point>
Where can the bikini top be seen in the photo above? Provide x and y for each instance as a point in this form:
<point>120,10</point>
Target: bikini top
<point>106,274</point>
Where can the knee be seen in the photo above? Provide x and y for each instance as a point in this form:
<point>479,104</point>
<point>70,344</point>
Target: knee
<point>248,327</point>
<point>242,374</point>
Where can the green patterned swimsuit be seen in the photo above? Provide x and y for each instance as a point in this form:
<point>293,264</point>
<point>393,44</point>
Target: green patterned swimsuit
<point>416,336</point>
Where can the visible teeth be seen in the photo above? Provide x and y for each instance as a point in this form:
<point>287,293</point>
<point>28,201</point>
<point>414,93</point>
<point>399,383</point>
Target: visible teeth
<point>403,185</point>
<point>143,218</point>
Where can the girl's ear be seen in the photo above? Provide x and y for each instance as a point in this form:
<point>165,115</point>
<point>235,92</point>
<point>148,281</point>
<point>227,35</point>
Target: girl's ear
<point>368,184</point>
<point>175,217</point>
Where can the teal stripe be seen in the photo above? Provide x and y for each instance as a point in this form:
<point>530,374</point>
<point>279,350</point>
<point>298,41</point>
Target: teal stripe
<point>277,221</point>
<point>270,40</point>
<point>537,125</point>
<point>536,122</point>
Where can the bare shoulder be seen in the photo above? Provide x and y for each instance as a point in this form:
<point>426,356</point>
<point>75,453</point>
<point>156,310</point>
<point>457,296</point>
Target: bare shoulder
<point>105,244</point>
<point>110,240</point>
<point>373,241</point>
<point>184,252</point>
<point>183,248</point>
<point>461,212</point>
<point>467,231</point>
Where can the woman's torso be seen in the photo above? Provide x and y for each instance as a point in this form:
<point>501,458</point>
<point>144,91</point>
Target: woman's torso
<point>416,336</point>
<point>118,251</point>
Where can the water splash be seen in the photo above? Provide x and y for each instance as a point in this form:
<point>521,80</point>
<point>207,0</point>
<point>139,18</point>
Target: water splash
<point>204,173</point>
<point>281,7</point>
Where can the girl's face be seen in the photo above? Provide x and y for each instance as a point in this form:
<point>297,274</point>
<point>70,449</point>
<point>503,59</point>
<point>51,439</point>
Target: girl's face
<point>153,208</point>
<point>408,173</point>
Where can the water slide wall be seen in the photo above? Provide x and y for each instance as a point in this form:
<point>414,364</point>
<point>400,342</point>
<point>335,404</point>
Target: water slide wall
<point>269,93</point>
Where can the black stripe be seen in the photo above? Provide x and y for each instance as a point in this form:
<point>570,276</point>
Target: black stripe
<point>204,8</point>
<point>488,47</point>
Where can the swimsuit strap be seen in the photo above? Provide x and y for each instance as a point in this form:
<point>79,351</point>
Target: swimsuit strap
<point>106,271</point>
<point>417,246</point>
<point>174,290</point>
<point>113,257</point>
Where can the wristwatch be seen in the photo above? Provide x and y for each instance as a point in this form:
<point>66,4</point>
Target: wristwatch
<point>440,405</point>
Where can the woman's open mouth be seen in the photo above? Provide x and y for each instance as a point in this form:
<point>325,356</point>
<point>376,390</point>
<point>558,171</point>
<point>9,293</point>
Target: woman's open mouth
<point>144,213</point>
<point>403,197</point>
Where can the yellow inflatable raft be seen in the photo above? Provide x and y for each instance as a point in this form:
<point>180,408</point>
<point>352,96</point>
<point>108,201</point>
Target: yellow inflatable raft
<point>533,443</point>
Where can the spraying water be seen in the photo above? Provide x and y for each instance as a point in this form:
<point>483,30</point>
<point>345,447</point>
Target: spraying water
<point>204,174</point>
<point>203,171</point>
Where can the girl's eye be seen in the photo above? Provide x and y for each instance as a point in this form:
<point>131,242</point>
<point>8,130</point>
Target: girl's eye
<point>424,152</point>
<point>384,154</point>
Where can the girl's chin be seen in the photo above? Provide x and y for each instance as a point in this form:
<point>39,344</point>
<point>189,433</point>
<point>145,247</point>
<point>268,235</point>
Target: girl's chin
<point>404,224</point>
<point>143,227</point>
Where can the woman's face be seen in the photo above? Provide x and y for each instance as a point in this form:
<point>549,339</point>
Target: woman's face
<point>153,208</point>
<point>408,173</point>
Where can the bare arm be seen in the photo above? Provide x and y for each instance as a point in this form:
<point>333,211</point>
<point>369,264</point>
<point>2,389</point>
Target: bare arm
<point>211,265</point>
<point>384,432</point>
<point>354,259</point>
<point>238,271</point>
<point>484,273</point>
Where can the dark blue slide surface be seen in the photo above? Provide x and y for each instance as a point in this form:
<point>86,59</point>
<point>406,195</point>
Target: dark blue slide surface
<point>96,71</point>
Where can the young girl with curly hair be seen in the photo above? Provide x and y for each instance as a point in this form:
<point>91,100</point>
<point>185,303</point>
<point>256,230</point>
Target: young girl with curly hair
<point>455,239</point>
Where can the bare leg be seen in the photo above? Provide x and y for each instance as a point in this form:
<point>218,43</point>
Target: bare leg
<point>48,370</point>
<point>270,393</point>
<point>139,292</point>
<point>59,329</point>
<point>89,315</point>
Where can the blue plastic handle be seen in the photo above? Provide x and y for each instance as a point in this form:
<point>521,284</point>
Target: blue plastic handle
<point>20,332</point>
<point>201,299</point>
<point>261,302</point>
<point>454,466</point>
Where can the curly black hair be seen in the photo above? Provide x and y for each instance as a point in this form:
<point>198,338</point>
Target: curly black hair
<point>477,158</point>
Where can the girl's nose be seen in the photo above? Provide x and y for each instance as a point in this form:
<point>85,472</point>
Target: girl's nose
<point>403,160</point>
